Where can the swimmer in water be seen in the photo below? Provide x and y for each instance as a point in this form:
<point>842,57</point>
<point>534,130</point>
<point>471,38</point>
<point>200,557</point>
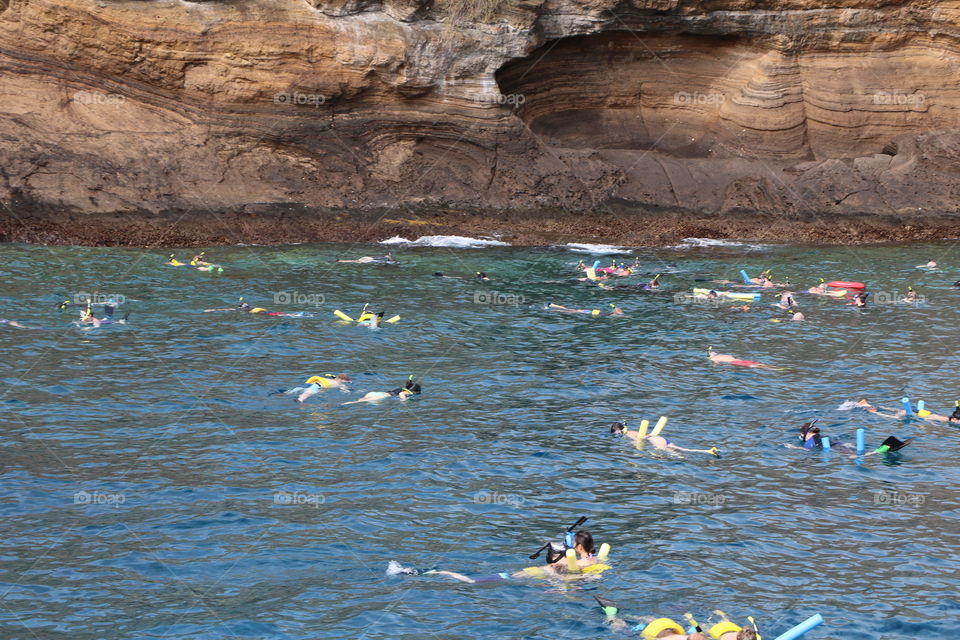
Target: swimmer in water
<point>387,258</point>
<point>658,442</point>
<point>820,289</point>
<point>899,414</point>
<point>615,311</point>
<point>247,308</point>
<point>811,438</point>
<point>173,262</point>
<point>787,301</point>
<point>557,565</point>
<point>316,384</point>
<point>407,391</point>
<point>198,259</point>
<point>911,295</point>
<point>931,264</point>
<point>720,358</point>
<point>479,276</point>
<point>859,300</point>
<point>14,323</point>
<point>87,317</point>
<point>796,315</point>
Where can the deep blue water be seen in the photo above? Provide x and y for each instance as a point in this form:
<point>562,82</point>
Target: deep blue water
<point>151,488</point>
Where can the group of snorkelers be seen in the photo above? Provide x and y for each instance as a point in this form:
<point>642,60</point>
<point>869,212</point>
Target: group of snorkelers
<point>198,262</point>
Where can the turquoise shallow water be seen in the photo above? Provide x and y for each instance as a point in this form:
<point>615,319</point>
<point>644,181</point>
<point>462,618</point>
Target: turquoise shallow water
<point>152,489</point>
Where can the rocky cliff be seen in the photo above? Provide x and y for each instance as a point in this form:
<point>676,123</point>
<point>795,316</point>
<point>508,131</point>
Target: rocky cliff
<point>812,109</point>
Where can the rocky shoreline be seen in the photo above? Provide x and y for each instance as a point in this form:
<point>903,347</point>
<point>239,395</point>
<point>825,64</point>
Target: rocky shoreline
<point>629,226</point>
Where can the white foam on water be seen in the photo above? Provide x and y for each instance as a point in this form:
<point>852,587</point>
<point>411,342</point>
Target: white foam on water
<point>455,242</point>
<point>582,247</point>
<point>847,406</point>
<point>690,243</point>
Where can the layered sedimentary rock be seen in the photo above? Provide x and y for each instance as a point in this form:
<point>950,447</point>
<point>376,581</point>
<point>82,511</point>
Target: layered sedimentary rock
<point>797,107</point>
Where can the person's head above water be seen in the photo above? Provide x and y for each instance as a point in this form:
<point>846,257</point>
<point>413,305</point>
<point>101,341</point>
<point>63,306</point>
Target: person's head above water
<point>618,428</point>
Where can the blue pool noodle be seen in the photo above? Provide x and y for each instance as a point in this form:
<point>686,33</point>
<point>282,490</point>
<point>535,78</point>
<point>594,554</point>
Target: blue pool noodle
<point>859,440</point>
<point>801,628</point>
<point>746,278</point>
<point>906,406</point>
<point>825,443</point>
<point>596,264</point>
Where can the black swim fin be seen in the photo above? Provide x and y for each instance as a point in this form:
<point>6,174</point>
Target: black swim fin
<point>894,444</point>
<point>609,606</point>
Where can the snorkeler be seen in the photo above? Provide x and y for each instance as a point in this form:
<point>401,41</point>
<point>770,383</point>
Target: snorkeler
<point>316,384</point>
<point>407,391</point>
<point>173,262</point>
<point>859,300</point>
<point>658,441</point>
<point>911,295</point>
<point>387,258</point>
<point>480,275</point>
<point>721,358</point>
<point>898,414</point>
<point>810,438</point>
<point>14,323</point>
<point>87,317</point>
<point>796,315</point>
<point>931,264</point>
<point>573,557</point>
<point>247,308</point>
<point>615,311</point>
<point>787,301</point>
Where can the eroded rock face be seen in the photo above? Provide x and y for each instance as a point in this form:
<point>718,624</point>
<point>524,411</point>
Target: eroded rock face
<point>792,106</point>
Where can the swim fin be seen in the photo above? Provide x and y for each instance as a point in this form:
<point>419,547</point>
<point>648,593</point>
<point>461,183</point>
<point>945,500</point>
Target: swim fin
<point>609,606</point>
<point>893,444</point>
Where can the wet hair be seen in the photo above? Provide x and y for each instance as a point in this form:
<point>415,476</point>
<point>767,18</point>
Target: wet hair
<point>415,389</point>
<point>747,634</point>
<point>585,540</point>
<point>618,427</point>
<point>342,376</point>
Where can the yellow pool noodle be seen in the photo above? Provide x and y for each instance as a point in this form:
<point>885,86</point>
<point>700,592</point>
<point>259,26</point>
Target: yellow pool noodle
<point>642,434</point>
<point>366,315</point>
<point>572,566</point>
<point>604,552</point>
<point>393,319</point>
<point>591,273</point>
<point>535,571</point>
<point>342,316</point>
<point>661,423</point>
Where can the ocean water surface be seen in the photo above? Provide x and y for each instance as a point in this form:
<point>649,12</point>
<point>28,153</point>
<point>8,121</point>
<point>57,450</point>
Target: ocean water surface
<point>153,488</point>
